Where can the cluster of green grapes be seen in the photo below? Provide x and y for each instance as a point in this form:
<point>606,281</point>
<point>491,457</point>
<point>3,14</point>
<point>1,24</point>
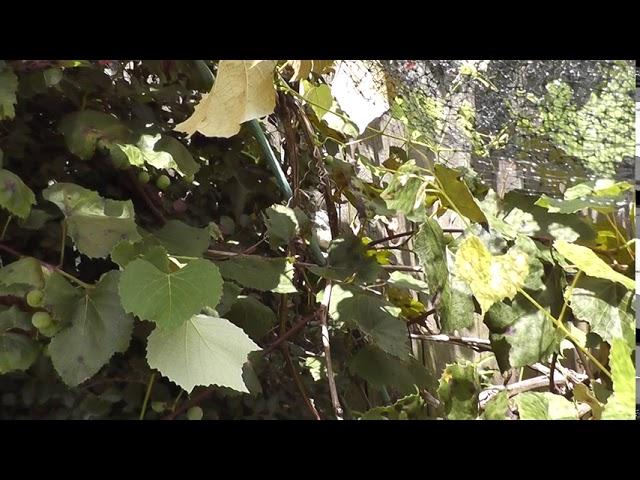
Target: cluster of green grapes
<point>41,320</point>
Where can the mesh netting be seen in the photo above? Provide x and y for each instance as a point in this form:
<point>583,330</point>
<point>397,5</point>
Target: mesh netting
<point>537,126</point>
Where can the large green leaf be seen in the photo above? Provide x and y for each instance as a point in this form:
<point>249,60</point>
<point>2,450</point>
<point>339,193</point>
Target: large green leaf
<point>491,278</point>
<point>429,245</point>
<point>94,223</point>
<point>182,239</point>
<point>99,327</point>
<point>349,258</point>
<point>17,350</point>
<point>255,318</point>
<point>84,130</point>
<point>261,273</point>
<point>283,223</point>
<point>622,404</point>
<point>545,406</point>
<point>169,299</point>
<point>605,306</point>
<point>404,280</point>
<point>520,333</point>
<point>406,192</point>
<point>373,316</point>
<point>149,248</point>
<point>381,369</point>
<point>586,260</point>
<point>202,351</point>
<point>185,164</point>
<point>8,89</point>
<point>61,298</point>
<point>497,408</point>
<point>458,391</point>
<point>456,191</point>
<point>455,306</point>
<point>15,196</point>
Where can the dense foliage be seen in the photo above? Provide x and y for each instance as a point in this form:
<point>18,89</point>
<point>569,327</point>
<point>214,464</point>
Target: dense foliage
<point>171,248</point>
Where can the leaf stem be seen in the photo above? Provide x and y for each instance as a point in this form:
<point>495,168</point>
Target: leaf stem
<point>143,411</point>
<point>6,225</point>
<point>63,241</point>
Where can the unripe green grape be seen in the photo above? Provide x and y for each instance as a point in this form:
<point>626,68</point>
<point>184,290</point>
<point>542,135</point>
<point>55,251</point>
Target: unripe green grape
<point>158,407</point>
<point>162,182</point>
<point>49,331</point>
<point>34,298</point>
<point>195,413</point>
<point>41,320</point>
<point>143,177</point>
<point>189,178</point>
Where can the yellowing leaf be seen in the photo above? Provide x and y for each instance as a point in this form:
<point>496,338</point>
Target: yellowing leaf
<point>243,91</point>
<point>586,260</point>
<point>491,278</point>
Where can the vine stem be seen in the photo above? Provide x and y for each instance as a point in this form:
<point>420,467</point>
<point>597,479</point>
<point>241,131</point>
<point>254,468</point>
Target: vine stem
<point>6,225</point>
<point>143,411</point>
<point>568,334</point>
<point>326,299</point>
<point>621,237</point>
<point>16,253</point>
<point>63,241</point>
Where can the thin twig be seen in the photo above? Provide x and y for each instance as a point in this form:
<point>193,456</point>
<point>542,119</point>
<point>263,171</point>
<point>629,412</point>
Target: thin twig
<point>289,333</point>
<point>477,344</point>
<point>391,237</point>
<point>552,385</point>
<point>326,298</point>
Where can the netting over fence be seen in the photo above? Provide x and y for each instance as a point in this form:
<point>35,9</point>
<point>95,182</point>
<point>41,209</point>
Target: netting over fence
<point>545,125</point>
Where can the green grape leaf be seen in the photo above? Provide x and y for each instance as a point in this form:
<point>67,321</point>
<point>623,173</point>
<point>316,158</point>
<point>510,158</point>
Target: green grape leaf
<point>252,316</point>
<point>491,278</point>
<point>381,369</point>
<point>605,306</point>
<point>545,406</point>
<point>260,273</point>
<point>520,333</point>
<point>83,130</point>
<point>61,298</point>
<point>586,260</point>
<point>622,404</point>
<point>455,307</point>
<point>406,192</point>
<point>230,292</point>
<point>430,247</point>
<point>8,89</point>
<point>17,351</point>
<point>182,239</point>
<point>99,327</point>
<point>15,196</point>
<point>457,191</point>
<point>36,220</point>
<point>149,248</point>
<point>497,408</point>
<point>524,217</point>
<point>458,391</point>
<point>202,351</point>
<point>94,223</point>
<point>145,152</point>
<point>404,280</point>
<point>185,164</point>
<point>27,271</point>
<point>373,316</point>
<point>283,224</point>
<point>348,257</point>
<point>169,299</point>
